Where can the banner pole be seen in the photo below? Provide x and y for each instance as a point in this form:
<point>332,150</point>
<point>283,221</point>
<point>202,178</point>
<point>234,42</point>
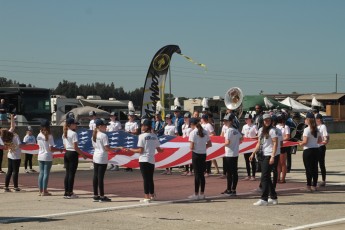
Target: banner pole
<point>169,88</point>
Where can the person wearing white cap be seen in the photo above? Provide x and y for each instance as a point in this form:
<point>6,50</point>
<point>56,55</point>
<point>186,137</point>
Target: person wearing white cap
<point>131,126</point>
<point>267,145</point>
<point>114,124</point>
<point>29,139</point>
<point>322,147</point>
<point>93,117</point>
<point>249,130</point>
<point>310,143</point>
<point>232,145</point>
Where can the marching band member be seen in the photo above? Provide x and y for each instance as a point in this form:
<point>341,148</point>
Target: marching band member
<point>169,130</point>
<point>285,129</point>
<point>114,124</point>
<point>186,129</point>
<point>322,147</point>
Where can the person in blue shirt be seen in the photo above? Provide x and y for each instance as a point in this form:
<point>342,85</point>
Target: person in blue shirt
<point>178,120</point>
<point>158,125</point>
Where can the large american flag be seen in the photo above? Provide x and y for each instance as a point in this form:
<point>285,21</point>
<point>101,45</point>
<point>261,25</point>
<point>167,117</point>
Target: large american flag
<point>176,149</point>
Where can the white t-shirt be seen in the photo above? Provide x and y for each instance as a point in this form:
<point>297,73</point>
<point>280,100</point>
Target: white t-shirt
<point>92,125</point>
<point>1,142</point>
<point>131,126</point>
<point>284,129</point>
<point>250,131</point>
<point>280,140</point>
<point>68,142</point>
<point>44,153</point>
<point>100,155</point>
<point>114,126</point>
<point>199,142</point>
<point>170,130</point>
<point>224,128</point>
<point>29,139</point>
<point>208,127</point>
<point>186,130</point>
<point>234,136</point>
<point>312,141</point>
<point>15,153</point>
<point>148,141</point>
<point>323,132</point>
<point>267,146</point>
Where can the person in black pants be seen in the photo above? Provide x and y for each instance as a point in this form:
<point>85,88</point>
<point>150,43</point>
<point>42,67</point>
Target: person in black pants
<point>310,143</point>
<point>199,142</point>
<point>268,144</point>
<point>70,141</point>
<point>322,149</point>
<point>148,143</point>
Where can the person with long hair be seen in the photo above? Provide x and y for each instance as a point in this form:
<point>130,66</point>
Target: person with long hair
<point>199,142</point>
<point>310,143</point>
<point>232,145</point>
<point>71,158</point>
<point>148,144</point>
<point>12,144</point>
<point>100,143</point>
<point>285,129</point>
<point>322,147</point>
<point>268,144</point>
<point>186,129</point>
<point>249,130</point>
<point>46,148</point>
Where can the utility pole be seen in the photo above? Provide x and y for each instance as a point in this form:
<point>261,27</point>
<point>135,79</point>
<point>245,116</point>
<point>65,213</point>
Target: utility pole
<point>336,83</point>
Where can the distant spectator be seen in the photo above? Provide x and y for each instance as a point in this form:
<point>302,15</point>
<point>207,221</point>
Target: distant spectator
<point>3,110</point>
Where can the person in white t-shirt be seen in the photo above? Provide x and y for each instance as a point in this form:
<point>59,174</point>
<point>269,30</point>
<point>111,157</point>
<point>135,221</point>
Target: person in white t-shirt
<point>322,147</point>
<point>268,143</point>
<point>114,124</point>
<point>310,143</point>
<point>205,124</point>
<point>46,148</point>
<point>71,158</point>
<point>12,144</point>
<point>169,130</point>
<point>285,130</point>
<point>232,144</point>
<point>186,129</point>
<point>249,130</point>
<point>148,144</point>
<point>100,143</point>
<point>131,125</point>
<point>199,142</point>
<point>93,117</point>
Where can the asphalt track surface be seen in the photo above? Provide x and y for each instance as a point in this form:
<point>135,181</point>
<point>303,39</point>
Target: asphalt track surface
<point>297,209</point>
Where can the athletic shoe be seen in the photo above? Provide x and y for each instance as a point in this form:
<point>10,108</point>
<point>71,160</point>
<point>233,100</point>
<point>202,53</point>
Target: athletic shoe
<point>116,168</point>
<point>307,189</point>
<point>111,167</point>
<point>246,178</point>
<point>7,190</point>
<point>202,197</point>
<point>233,193</point>
<point>322,184</point>
<point>260,203</point>
<point>72,196</point>
<point>164,172</point>
<point>226,192</point>
<point>253,178</point>
<point>16,189</point>
<point>145,201</point>
<point>33,170</point>
<point>153,197</point>
<point>46,194</point>
<point>272,201</point>
<point>184,173</point>
<point>189,174</point>
<point>104,199</point>
<point>313,189</point>
<point>65,196</point>
<point>27,171</point>
<point>96,198</point>
<point>193,197</point>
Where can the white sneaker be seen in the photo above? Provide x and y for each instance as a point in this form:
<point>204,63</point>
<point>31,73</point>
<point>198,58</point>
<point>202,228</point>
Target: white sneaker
<point>272,201</point>
<point>110,167</point>
<point>73,196</point>
<point>145,201</point>
<point>202,197</point>
<point>194,197</point>
<point>261,203</point>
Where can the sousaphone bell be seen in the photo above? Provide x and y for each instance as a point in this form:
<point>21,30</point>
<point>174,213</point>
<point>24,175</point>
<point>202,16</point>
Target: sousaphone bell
<point>233,100</point>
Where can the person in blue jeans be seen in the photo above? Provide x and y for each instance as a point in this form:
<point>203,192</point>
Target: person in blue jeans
<point>46,148</point>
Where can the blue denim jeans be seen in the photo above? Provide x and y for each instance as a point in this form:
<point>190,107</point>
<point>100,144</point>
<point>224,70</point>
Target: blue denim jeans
<point>43,177</point>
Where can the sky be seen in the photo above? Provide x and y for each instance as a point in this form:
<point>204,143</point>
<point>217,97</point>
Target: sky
<point>268,46</point>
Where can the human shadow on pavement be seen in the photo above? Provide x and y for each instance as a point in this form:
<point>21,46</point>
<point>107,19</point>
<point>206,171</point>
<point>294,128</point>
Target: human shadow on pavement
<point>11,220</point>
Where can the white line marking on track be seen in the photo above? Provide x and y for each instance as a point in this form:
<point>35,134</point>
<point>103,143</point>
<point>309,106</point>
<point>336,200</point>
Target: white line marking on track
<point>319,224</point>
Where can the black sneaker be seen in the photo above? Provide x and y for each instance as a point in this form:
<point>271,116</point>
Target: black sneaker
<point>7,190</point>
<point>226,192</point>
<point>17,189</point>
<point>233,193</point>
<point>104,199</point>
<point>96,198</point>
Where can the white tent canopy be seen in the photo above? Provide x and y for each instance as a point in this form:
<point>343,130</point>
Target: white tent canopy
<point>295,105</point>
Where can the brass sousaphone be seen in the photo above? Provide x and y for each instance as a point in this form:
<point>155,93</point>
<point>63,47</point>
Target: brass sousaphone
<point>233,100</point>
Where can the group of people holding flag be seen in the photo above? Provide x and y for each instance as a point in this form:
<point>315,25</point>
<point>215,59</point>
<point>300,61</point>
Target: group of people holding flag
<point>269,129</point>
